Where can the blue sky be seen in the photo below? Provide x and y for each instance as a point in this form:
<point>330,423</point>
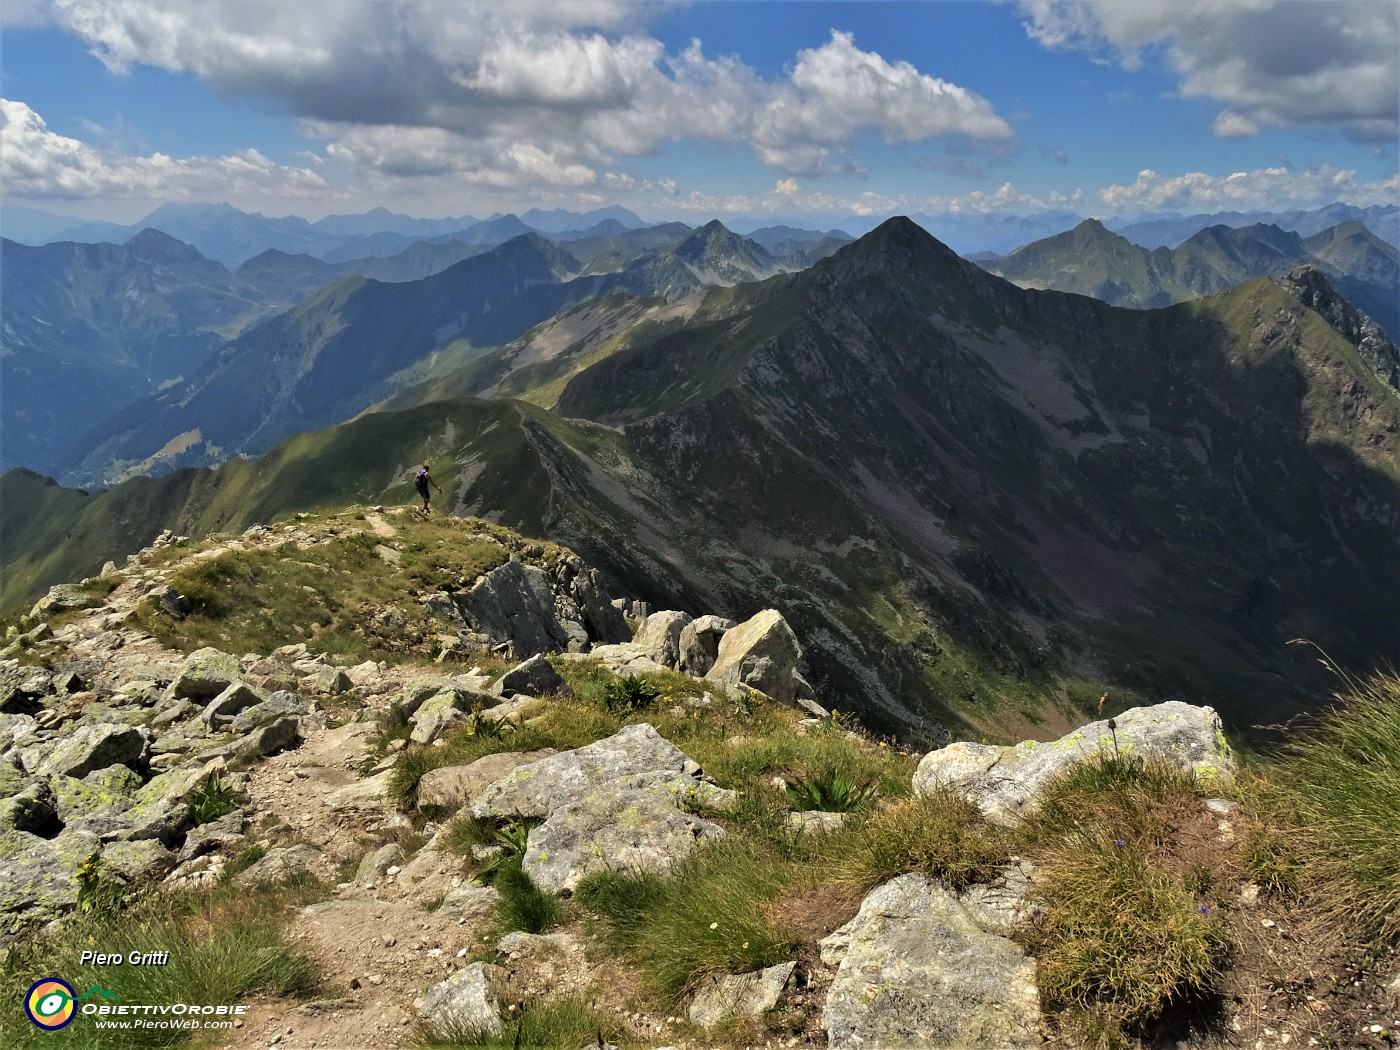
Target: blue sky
<point>793,110</point>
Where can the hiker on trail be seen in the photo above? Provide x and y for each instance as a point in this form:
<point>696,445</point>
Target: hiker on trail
<point>421,483</point>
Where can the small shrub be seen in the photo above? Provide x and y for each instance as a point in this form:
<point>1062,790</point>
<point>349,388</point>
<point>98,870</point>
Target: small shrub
<point>632,693</point>
<point>211,800</point>
<point>830,792</point>
<point>99,894</point>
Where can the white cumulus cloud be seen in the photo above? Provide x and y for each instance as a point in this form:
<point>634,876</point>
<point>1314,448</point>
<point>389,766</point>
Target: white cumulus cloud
<point>37,162</point>
<point>1261,189</point>
<point>554,90</point>
<point>1273,63</point>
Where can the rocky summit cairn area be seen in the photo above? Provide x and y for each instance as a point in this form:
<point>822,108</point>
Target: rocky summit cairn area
<point>395,781</point>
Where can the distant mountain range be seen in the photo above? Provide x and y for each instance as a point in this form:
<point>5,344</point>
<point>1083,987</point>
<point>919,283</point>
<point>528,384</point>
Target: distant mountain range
<point>978,505</point>
<point>356,341</point>
<point>1092,260</point>
<point>224,233</point>
<point>89,327</point>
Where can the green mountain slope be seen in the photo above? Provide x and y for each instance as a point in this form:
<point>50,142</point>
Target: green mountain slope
<point>90,327</point>
<point>1090,260</point>
<point>356,342</point>
<point>976,504</point>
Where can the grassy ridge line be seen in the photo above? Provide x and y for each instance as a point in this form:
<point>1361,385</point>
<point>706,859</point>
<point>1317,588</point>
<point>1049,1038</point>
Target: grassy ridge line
<point>365,461</point>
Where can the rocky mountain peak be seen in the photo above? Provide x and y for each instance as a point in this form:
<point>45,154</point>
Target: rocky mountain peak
<point>900,249</point>
<point>1310,286</point>
<point>152,245</point>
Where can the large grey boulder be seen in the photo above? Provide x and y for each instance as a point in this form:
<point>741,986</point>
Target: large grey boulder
<point>111,790</point>
<point>660,637</point>
<point>16,730</point>
<point>36,876</point>
<point>281,863</point>
<point>452,787</point>
<point>465,1002</point>
<point>1004,781</point>
<point>97,746</point>
<point>535,677</point>
<point>360,797</point>
<point>699,644</point>
<point>205,674</point>
<point>30,809</point>
<point>746,994</point>
<point>624,658</point>
<point>273,737</point>
<point>535,610</point>
<point>281,704</point>
<point>443,710</point>
<point>230,703</point>
<point>139,861</point>
<point>761,653</point>
<point>632,824</point>
<point>624,802</point>
<point>62,598</point>
<point>916,970</point>
<point>537,789</point>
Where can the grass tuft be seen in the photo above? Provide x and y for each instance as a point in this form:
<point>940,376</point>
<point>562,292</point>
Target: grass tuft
<point>941,834</point>
<point>710,916</point>
<point>535,1025</point>
<point>1120,937</point>
<point>1338,791</point>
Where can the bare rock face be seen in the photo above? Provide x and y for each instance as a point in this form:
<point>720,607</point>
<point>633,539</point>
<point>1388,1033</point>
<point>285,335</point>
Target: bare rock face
<point>699,644</point>
<point>534,610</point>
<point>917,970</point>
<point>762,653</point>
<point>466,1001</point>
<point>624,803</point>
<point>1004,781</point>
<point>660,637</point>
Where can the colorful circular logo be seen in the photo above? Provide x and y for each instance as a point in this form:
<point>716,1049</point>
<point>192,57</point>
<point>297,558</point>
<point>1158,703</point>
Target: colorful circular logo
<point>50,1004</point>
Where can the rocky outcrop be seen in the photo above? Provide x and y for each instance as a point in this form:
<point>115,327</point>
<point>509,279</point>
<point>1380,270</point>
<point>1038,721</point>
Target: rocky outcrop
<point>660,637</point>
<point>535,677</point>
<point>623,803</point>
<point>452,787</point>
<point>1004,781</point>
<point>699,644</point>
<point>534,610</point>
<point>915,969</point>
<point>97,746</point>
<point>465,1002</point>
<point>762,653</point>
